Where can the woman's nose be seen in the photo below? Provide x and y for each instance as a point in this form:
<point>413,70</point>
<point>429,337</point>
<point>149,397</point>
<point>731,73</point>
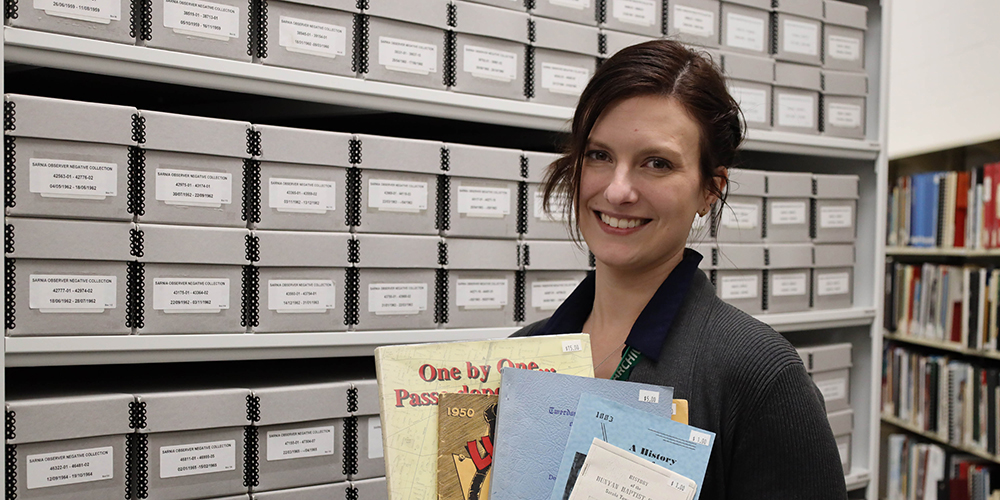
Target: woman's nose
<point>621,189</point>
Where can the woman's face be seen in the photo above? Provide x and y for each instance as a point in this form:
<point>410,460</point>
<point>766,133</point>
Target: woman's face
<point>641,187</point>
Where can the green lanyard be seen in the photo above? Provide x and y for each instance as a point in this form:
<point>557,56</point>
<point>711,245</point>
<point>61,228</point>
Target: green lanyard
<point>629,359</point>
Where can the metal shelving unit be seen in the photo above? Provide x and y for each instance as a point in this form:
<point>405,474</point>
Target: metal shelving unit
<point>942,252</point>
<point>937,439</point>
<point>944,346</point>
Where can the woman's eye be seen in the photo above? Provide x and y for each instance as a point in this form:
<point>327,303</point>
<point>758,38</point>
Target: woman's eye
<point>598,155</point>
<point>658,164</point>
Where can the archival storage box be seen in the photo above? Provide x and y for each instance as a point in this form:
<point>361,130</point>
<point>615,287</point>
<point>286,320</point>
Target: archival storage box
<point>192,279</point>
<point>574,11</point>
<point>194,170</point>
<point>398,286</point>
<point>844,26</point>
<point>517,5</point>
<point>552,270</point>
<point>193,442</point>
<point>843,104</point>
<point>738,276</point>
<point>835,199</point>
<point>642,17</point>
<point>787,215</point>
<point>481,276</point>
<point>301,281</point>
<point>398,184</point>
<point>749,80</point>
<point>371,489</point>
<point>107,20</point>
<point>70,158</point>
<point>367,397</point>
<point>245,496</point>
<point>334,491</point>
<point>405,42</point>
<point>312,35</point>
<point>693,21</point>
<point>833,276</point>
<point>565,57</point>
<point>796,26</point>
<point>788,277</point>
<point>365,409</point>
<point>483,191</point>
<point>303,179</point>
<point>842,425</point>
<point>830,368</point>
<point>741,217</point>
<point>217,28</point>
<point>746,26</point>
<point>615,41</point>
<point>796,98</point>
<point>539,224</point>
<point>67,277</point>
<point>67,447</point>
<point>490,46</point>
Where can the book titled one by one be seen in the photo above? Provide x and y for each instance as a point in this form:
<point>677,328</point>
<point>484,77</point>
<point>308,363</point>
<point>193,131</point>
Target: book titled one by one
<point>466,433</point>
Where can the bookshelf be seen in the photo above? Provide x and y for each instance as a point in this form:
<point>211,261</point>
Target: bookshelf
<point>944,346</point>
<point>942,252</point>
<point>937,439</point>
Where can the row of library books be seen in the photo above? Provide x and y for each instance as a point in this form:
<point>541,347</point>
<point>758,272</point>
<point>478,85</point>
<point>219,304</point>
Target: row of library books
<point>922,471</point>
<point>946,209</point>
<point>951,304</point>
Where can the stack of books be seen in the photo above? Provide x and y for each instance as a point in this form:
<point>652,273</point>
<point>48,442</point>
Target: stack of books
<point>924,470</point>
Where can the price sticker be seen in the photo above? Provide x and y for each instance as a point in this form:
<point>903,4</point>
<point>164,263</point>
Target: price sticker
<point>572,346</point>
<point>699,437</point>
<point>649,396</point>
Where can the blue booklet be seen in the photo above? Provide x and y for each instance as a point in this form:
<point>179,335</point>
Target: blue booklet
<point>534,417</point>
<point>678,447</point>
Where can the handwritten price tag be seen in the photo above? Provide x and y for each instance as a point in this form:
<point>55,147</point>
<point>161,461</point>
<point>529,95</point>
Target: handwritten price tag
<point>678,485</point>
<point>572,346</point>
<point>649,396</point>
<point>700,438</point>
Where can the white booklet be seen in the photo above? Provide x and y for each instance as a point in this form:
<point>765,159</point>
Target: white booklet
<point>611,473</point>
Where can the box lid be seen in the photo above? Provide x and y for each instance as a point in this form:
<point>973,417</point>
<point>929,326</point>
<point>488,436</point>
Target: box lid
<point>303,249</point>
<point>805,8</point>
<point>789,185</point>
<point>744,182</point>
<point>311,147</point>
<point>302,402</point>
<point>319,492</point>
<point>744,257</point>
<point>478,19</point>
<point>484,162</point>
<point>193,245</point>
<point>789,255</point>
<point>234,497</point>
<point>344,5</point>
<point>757,4</point>
<point>433,13</point>
<point>798,76</point>
<point>845,83</point>
<point>62,119</point>
<point>65,239</point>
<point>834,255</point>
<point>567,37</point>
<point>398,251</point>
<point>745,67</point>
<point>555,256</point>
<point>367,391</point>
<point>195,134</point>
<point>824,358</point>
<point>617,40</point>
<point>836,186</point>
<point>54,418</point>
<point>169,411</point>
<point>845,14</point>
<point>538,164</point>
<point>370,488</point>
<point>404,155</point>
<point>841,422</point>
<point>482,254</point>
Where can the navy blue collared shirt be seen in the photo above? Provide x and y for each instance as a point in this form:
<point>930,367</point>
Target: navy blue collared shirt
<point>650,329</point>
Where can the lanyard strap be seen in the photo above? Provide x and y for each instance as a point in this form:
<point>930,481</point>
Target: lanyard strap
<point>629,359</point>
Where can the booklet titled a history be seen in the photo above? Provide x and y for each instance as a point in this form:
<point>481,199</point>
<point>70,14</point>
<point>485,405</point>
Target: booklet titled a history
<point>610,473</point>
<point>681,448</point>
<point>466,433</point>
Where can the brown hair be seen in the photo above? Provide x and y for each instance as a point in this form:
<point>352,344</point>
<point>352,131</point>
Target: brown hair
<point>658,67</point>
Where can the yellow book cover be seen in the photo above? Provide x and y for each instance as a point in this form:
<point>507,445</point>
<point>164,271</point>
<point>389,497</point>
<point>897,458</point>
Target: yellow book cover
<point>466,431</point>
<point>411,379</point>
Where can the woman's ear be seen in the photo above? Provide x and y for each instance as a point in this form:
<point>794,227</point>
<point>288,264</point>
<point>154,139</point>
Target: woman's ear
<point>720,178</point>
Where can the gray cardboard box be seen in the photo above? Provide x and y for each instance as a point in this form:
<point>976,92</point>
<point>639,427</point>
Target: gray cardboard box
<point>194,442</point>
<point>565,59</point>
<point>842,425</point>
<point>194,170</point>
<point>553,269</point>
<point>64,165</point>
<point>843,104</point>
<point>844,26</point>
<point>483,191</point>
<point>830,368</point>
<point>399,185</point>
<point>517,5</point>
<point>397,285</point>
<point>193,279</point>
<point>694,21</point>
<point>367,394</point>
<point>490,47</point>
<point>574,11</point>
<point>406,42</point>
<point>835,199</point>
<point>102,21</point>
<point>643,17</point>
<point>796,98</point>
<point>302,281</point>
<point>217,29</point>
<point>614,41</point>
<point>788,277</point>
<point>303,179</point>
<point>788,214</point>
<point>371,489</point>
<point>314,35</point>
<point>67,447</point>
<point>234,497</point>
<point>368,462</point>
<point>796,35</point>
<point>833,276</point>
<point>746,26</point>
<point>749,81</point>
<point>739,276</point>
<point>541,224</point>
<point>67,277</point>
<point>335,491</point>
<point>481,282</point>
<point>741,218</point>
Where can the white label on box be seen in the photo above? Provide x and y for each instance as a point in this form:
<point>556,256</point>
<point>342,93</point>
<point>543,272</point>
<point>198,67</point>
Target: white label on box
<point>311,37</point>
<point>491,64</point>
<point>301,195</point>
<point>738,287</point>
<point>407,56</point>
<point>833,389</point>
<point>94,11</point>
<point>740,216</point>
<point>557,201</point>
<point>300,443</point>
<point>787,212</point>
<point>753,103</point>
<point>197,458</point>
<point>70,467</point>
<point>86,180</point>
<point>483,201</point>
<point>549,295</point>
<point>788,285</point>
<point>648,396</point>
<point>562,79</point>
<point>194,189</point>
<point>699,437</point>
<point>796,111</point>
<point>800,37</point>
<point>833,284</point>
<point>694,21</point>
<point>745,32</point>
<point>481,294</point>
<point>573,4</point>
<point>300,296</point>
<point>397,196</point>
<point>203,19</point>
<point>836,217</point>
<point>374,438</point>
<point>843,115</point>
<point>572,346</point>
<point>190,295</point>
<point>397,298</point>
<point>843,47</point>
<point>52,293</point>
<point>842,448</point>
<point>640,12</point>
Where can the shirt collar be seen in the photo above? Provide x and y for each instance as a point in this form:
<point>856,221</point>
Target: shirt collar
<point>650,329</point>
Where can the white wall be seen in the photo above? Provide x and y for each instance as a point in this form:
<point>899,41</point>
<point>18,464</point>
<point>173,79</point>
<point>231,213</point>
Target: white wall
<point>944,75</point>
